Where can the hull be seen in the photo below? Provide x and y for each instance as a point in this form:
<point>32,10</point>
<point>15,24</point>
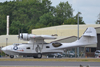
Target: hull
<point>23,49</point>
<point>32,54</point>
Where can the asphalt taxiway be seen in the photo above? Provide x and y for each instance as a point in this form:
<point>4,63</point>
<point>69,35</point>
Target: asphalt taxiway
<point>46,63</point>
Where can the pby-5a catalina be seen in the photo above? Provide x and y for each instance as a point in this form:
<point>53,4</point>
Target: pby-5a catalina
<point>37,46</point>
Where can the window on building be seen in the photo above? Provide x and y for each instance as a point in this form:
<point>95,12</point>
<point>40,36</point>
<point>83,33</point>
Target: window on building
<point>87,50</point>
<point>93,49</point>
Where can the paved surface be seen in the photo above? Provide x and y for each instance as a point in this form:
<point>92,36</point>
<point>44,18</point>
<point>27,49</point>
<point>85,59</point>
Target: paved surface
<point>44,63</point>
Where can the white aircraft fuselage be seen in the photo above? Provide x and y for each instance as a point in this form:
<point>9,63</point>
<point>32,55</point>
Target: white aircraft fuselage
<point>30,49</point>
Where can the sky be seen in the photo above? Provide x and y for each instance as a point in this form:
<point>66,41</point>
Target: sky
<point>89,8</point>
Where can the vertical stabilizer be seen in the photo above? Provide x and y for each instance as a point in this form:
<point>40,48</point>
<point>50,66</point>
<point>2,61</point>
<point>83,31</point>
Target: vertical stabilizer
<point>89,36</point>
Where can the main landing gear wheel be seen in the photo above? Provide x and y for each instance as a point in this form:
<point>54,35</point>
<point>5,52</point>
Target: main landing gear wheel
<point>39,55</point>
<point>11,56</point>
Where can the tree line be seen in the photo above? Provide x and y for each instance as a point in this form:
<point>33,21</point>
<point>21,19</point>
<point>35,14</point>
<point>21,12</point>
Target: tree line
<point>26,15</point>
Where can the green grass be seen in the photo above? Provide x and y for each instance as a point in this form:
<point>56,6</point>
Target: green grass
<point>52,59</point>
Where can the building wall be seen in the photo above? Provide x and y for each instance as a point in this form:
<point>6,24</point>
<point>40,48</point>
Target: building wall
<point>68,40</point>
<point>11,39</point>
<point>98,30</point>
<point>63,30</point>
<point>98,44</point>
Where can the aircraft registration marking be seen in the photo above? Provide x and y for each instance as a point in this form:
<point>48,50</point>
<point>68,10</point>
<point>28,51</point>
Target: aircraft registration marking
<point>21,50</point>
<point>33,36</point>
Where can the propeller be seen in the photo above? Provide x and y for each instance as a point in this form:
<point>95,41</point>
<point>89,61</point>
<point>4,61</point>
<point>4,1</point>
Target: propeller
<point>18,34</point>
<point>21,34</point>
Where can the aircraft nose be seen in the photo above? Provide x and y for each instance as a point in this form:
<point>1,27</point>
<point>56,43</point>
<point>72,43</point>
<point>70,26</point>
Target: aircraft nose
<point>3,49</point>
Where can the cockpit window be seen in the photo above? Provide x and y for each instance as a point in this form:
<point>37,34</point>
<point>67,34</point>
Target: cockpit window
<point>16,44</point>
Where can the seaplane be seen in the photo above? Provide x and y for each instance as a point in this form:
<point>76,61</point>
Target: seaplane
<point>36,45</point>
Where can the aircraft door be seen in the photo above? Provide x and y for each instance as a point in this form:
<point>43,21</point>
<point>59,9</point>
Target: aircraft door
<point>38,49</point>
<point>39,46</point>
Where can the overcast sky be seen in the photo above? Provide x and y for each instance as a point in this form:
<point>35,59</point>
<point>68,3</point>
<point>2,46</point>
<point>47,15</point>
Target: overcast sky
<point>89,8</point>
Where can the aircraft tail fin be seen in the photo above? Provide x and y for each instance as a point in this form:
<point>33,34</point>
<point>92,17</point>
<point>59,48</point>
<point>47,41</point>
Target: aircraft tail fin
<point>89,36</point>
<point>90,31</point>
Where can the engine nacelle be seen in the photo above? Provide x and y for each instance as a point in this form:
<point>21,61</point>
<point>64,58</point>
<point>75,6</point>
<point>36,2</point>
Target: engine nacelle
<point>27,37</point>
<point>24,36</point>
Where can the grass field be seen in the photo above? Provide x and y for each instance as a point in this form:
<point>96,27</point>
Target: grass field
<point>53,59</point>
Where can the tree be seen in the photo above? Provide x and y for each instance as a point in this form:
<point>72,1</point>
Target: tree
<point>46,20</point>
<point>31,14</point>
<point>47,5</point>
<point>98,20</point>
<point>63,11</point>
<point>73,20</point>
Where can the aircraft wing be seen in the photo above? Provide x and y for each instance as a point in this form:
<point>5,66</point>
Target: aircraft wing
<point>42,37</point>
<point>39,39</point>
